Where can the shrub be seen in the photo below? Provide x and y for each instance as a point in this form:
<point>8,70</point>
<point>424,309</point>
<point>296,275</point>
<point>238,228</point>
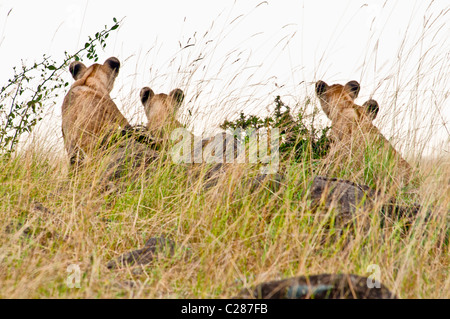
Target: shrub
<point>300,141</point>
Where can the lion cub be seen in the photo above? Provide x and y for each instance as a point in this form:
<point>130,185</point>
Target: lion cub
<point>88,112</point>
<point>161,111</point>
<point>353,133</point>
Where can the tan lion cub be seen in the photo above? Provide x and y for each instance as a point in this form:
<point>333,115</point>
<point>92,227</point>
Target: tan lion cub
<point>88,112</point>
<point>353,132</point>
<point>161,111</point>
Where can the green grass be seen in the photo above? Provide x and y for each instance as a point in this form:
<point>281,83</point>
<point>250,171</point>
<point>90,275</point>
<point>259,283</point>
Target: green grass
<point>235,237</point>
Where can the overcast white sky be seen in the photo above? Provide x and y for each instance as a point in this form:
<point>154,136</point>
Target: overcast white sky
<point>253,50</point>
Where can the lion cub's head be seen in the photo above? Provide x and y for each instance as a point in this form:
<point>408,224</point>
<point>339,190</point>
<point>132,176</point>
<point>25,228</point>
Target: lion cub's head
<point>161,108</point>
<point>337,102</point>
<point>100,76</point>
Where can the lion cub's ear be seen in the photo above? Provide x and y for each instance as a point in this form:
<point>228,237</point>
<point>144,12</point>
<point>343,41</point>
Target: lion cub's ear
<point>113,63</point>
<point>371,108</point>
<point>321,88</point>
<point>146,94</point>
<point>77,69</point>
<point>353,88</point>
<point>178,96</point>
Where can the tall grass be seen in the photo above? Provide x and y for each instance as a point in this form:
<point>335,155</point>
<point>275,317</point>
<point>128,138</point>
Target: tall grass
<point>236,236</point>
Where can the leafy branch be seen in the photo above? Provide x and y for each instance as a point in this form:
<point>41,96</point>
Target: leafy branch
<point>21,105</point>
